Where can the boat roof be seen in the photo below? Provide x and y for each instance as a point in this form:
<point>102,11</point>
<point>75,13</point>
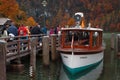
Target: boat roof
<point>86,29</point>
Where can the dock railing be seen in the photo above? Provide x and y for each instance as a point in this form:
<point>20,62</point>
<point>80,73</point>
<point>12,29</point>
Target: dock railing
<point>17,48</point>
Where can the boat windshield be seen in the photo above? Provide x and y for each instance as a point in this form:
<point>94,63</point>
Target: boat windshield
<point>81,39</point>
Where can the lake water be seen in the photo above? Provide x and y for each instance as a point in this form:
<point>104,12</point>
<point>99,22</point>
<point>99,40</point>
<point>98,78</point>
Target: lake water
<point>108,69</point>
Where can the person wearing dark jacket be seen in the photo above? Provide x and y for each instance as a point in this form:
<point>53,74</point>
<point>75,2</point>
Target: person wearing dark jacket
<point>36,30</point>
<point>12,29</point>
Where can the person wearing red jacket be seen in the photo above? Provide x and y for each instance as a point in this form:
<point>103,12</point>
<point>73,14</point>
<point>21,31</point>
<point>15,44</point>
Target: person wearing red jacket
<point>22,31</point>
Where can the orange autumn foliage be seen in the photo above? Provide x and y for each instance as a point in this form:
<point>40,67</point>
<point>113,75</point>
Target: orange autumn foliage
<point>71,22</point>
<point>8,8</point>
<point>31,21</point>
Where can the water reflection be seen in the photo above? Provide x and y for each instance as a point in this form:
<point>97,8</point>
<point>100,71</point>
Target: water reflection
<point>90,74</point>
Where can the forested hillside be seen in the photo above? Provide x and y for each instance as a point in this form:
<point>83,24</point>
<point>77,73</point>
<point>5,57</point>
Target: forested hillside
<point>105,13</point>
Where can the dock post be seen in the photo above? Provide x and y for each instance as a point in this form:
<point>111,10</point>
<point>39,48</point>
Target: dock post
<point>46,50</point>
<point>33,59</point>
<point>15,64</point>
<point>112,41</point>
<point>3,60</point>
<point>53,46</point>
<point>118,44</point>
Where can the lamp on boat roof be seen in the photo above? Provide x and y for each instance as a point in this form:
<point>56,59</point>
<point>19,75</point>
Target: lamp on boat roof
<point>44,3</point>
<point>79,21</point>
<point>77,18</point>
<point>79,13</point>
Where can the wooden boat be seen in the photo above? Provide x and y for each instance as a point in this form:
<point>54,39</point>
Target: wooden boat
<point>81,48</point>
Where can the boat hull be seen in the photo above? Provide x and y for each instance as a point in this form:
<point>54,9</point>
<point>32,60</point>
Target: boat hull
<point>94,71</point>
<point>80,62</point>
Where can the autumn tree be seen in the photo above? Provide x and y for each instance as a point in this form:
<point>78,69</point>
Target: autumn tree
<point>58,18</point>
<point>30,21</point>
<point>10,9</point>
<point>71,22</point>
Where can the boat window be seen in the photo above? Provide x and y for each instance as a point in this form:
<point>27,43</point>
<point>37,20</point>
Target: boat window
<point>68,37</point>
<point>80,38</point>
<point>95,39</point>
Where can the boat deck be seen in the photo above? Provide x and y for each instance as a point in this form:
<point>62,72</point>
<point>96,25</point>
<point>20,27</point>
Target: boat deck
<point>80,51</point>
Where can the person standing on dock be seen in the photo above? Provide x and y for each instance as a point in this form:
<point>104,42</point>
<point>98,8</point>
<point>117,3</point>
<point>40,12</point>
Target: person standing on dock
<point>4,31</point>
<point>36,31</point>
<point>12,29</point>
<point>22,31</point>
<point>44,30</point>
<point>51,30</point>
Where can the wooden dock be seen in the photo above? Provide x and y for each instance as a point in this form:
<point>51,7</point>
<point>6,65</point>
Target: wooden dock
<point>12,50</point>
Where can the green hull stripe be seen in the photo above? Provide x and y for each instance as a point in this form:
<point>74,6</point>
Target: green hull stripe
<point>77,70</point>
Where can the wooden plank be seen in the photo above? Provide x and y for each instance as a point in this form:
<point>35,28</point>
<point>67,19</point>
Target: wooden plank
<point>33,59</point>
<point>2,60</point>
<point>53,47</point>
<point>45,50</point>
<point>112,40</point>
